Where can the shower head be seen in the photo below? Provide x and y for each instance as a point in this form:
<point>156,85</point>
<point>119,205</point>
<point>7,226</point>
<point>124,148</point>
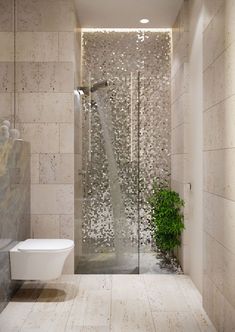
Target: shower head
<point>86,90</point>
<point>99,85</point>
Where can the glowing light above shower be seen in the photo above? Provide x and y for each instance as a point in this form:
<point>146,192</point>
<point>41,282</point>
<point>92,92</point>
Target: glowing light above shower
<point>144,20</point>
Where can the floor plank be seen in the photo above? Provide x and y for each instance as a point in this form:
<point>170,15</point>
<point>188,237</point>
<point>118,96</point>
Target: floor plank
<point>130,306</point>
<point>91,308</point>
<point>102,303</point>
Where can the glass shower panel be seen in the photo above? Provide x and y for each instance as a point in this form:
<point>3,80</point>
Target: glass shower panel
<point>109,176</point>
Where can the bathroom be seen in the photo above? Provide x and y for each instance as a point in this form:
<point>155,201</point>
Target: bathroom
<point>100,102</point>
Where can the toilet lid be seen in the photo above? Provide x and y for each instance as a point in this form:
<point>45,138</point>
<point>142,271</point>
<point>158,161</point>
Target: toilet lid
<point>45,245</point>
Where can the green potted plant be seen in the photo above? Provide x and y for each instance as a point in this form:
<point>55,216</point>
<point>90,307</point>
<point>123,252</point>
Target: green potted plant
<point>167,218</point>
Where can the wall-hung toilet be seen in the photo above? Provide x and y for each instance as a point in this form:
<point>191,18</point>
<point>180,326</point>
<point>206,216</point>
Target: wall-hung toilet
<point>39,259</point>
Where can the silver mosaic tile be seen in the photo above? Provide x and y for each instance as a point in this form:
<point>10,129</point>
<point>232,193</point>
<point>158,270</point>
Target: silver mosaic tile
<point>118,57</point>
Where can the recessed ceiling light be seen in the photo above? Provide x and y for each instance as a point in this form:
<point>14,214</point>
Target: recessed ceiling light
<point>144,21</point>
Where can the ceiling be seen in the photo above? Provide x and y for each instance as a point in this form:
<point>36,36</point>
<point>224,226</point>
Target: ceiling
<point>127,13</point>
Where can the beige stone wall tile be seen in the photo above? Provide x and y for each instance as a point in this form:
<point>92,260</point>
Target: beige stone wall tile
<point>179,139</point>
<point>45,226</point>
<point>44,15</point>
<point>211,7</point>
<point>36,46</point>
<point>219,173</point>
<point>45,107</point>
<point>219,123</point>
<point>7,46</point>
<point>44,138</point>
<point>52,199</point>
<point>179,111</point>
<point>6,77</point>
<point>27,77</point>
<point>213,303</point>
<point>6,106</point>
<point>56,168</point>
<point>213,38</point>
<point>219,220</point>
<point>180,82</point>
<point>66,46</point>
<point>67,227</point>
<point>66,138</point>
<point>56,77</point>
<point>6,15</point>
<point>219,78</point>
<point>34,168</point>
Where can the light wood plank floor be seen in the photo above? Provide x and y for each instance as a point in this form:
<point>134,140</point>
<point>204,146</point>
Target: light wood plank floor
<point>100,303</point>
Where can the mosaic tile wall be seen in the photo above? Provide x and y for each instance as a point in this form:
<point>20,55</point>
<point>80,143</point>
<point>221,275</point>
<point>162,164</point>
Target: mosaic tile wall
<point>118,57</point>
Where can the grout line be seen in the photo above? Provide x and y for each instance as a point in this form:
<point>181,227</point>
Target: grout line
<point>111,304</point>
<point>218,149</point>
<point>210,108</point>
<point>218,195</point>
<point>222,245</point>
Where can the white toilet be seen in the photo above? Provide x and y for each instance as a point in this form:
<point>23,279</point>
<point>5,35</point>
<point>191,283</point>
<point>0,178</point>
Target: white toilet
<point>39,259</point>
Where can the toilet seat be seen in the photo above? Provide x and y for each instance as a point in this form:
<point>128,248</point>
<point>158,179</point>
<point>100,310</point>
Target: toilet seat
<point>45,245</point>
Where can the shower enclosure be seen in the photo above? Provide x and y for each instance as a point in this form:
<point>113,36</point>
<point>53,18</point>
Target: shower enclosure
<point>122,146</point>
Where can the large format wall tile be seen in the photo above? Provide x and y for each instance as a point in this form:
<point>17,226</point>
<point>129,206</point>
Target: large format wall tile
<point>45,107</point>
<point>7,46</point>
<point>219,173</point>
<point>27,77</point>
<point>50,223</point>
<point>36,46</point>
<point>219,122</point>
<point>6,106</point>
<point>44,138</point>
<point>44,77</point>
<point>219,219</point>
<point>52,199</point>
<point>66,138</point>
<point>213,37</point>
<point>222,74</point>
<point>6,15</point>
<point>56,77</point>
<point>44,15</point>
<point>6,77</point>
<point>56,168</point>
<point>34,168</point>
<point>219,267</point>
<point>66,46</point>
